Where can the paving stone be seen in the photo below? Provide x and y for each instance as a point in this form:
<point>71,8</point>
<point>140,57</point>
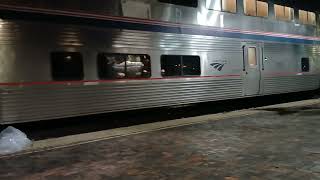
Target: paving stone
<point>269,145</point>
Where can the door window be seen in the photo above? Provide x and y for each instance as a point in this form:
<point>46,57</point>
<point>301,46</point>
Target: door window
<point>252,56</point>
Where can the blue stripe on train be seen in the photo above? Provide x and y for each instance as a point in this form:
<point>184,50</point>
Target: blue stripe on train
<point>7,14</point>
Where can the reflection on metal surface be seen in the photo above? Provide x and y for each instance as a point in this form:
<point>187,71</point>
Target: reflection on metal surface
<point>1,22</point>
<point>206,18</point>
<point>213,5</point>
<point>221,21</point>
<point>172,30</point>
<point>70,36</point>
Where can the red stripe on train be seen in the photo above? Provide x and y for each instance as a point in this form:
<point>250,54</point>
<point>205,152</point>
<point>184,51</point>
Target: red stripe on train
<point>141,79</point>
<point>106,81</point>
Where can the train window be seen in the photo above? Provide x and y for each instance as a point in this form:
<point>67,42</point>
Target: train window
<point>229,6</point>
<point>305,64</point>
<point>311,18</point>
<point>279,11</point>
<point>250,7</point>
<point>262,9</point>
<point>283,12</point>
<point>190,3</point>
<point>222,5</point>
<point>303,16</point>
<point>288,13</point>
<point>175,65</point>
<point>256,8</point>
<point>66,66</point>
<point>252,56</point>
<point>191,66</point>
<point>306,17</point>
<point>171,65</point>
<point>120,66</point>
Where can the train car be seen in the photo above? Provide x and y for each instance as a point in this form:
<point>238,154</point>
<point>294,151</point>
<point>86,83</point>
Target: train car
<point>79,57</point>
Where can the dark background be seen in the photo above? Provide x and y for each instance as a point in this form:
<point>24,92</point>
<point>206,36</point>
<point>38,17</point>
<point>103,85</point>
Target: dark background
<point>310,5</point>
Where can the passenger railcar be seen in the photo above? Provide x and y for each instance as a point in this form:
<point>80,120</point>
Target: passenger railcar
<point>79,57</point>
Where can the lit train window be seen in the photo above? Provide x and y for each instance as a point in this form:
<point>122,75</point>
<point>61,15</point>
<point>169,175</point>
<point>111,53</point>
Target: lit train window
<point>311,18</point>
<point>278,11</point>
<point>262,9</point>
<point>288,13</point>
<point>306,17</point>
<point>190,3</point>
<point>229,6</point>
<point>256,8</point>
<point>250,7</point>
<point>305,64</point>
<point>283,13</point>
<point>66,66</point>
<point>303,16</point>
<point>175,65</point>
<point>121,66</point>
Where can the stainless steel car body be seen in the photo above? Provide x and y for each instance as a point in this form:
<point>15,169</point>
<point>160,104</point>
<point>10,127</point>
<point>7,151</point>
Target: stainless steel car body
<point>30,31</point>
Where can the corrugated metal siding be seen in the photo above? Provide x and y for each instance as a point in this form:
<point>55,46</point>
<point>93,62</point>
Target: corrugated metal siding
<point>47,102</point>
<point>274,85</point>
<point>169,41</point>
<point>39,103</point>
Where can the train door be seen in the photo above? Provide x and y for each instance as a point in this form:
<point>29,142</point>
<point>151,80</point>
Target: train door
<point>252,63</point>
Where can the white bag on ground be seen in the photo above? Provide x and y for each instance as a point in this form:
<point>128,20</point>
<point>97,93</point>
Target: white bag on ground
<point>13,140</point>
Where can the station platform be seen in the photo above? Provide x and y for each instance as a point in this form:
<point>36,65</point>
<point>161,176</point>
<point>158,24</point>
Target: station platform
<point>274,142</point>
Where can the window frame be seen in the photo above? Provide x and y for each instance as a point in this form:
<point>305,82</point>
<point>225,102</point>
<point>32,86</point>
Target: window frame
<point>170,2</point>
<point>104,54</point>
<point>57,76</point>
<point>181,57</point>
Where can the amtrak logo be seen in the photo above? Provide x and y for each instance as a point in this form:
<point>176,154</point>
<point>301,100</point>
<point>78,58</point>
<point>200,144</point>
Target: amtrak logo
<point>218,66</point>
